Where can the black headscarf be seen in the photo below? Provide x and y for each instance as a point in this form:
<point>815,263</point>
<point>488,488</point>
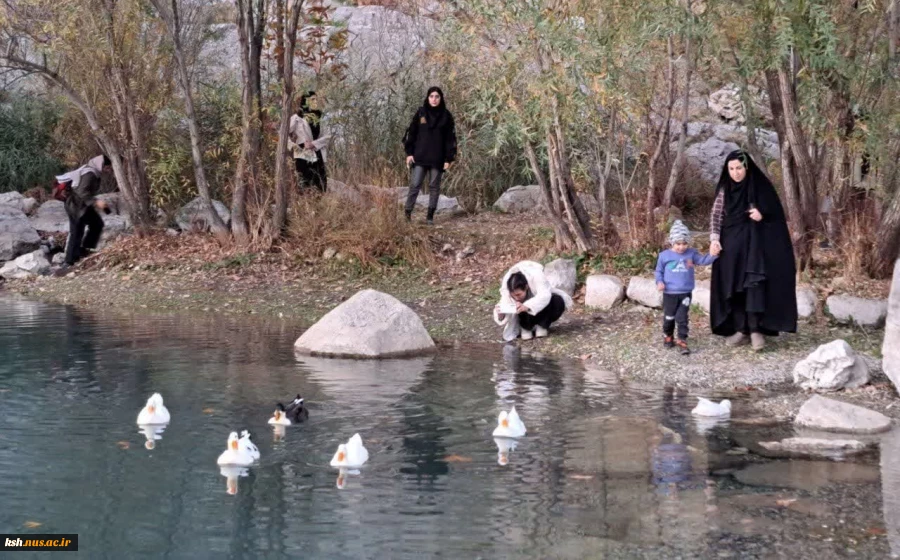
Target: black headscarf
<point>312,116</point>
<point>435,115</point>
<point>754,191</point>
<point>756,269</point>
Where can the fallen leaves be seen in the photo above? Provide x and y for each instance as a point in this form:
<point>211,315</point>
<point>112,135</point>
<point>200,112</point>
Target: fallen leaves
<point>123,445</point>
<point>31,524</point>
<point>581,476</point>
<point>785,502</point>
<point>457,459</point>
<point>876,531</point>
<point>208,410</point>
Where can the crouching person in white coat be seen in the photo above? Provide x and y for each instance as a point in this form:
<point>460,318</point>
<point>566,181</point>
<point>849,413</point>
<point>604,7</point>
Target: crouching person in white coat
<point>528,304</point>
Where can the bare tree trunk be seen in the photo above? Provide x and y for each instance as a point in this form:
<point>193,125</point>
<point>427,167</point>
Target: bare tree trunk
<point>893,28</point>
<point>282,173</point>
<point>250,38</point>
<point>564,241</point>
<point>887,241</point>
<point>804,168</point>
<point>171,15</point>
<point>662,141</point>
<point>682,139</point>
<point>601,172</point>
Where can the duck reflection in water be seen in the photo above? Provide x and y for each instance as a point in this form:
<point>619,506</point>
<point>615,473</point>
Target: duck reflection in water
<point>231,474</point>
<point>504,446</point>
<point>278,432</point>
<point>152,432</point>
<point>343,473</point>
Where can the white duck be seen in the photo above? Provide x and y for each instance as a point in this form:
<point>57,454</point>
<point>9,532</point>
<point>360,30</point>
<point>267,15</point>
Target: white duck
<point>708,408</point>
<point>155,412</point>
<point>350,455</point>
<point>509,425</point>
<point>236,454</point>
<point>249,446</point>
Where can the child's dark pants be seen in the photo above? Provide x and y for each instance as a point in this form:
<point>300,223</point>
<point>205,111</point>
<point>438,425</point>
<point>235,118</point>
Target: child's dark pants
<point>676,309</point>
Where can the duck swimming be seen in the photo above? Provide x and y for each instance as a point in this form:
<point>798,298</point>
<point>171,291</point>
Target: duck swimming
<point>350,455</point>
<point>509,425</point>
<point>708,408</point>
<point>238,452</point>
<point>294,413</point>
<point>154,412</point>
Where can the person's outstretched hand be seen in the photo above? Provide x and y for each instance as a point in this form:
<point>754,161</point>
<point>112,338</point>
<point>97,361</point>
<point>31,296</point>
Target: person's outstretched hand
<point>715,248</point>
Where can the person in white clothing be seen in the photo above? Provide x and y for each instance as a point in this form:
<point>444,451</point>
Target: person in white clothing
<point>528,304</point>
<point>308,144</point>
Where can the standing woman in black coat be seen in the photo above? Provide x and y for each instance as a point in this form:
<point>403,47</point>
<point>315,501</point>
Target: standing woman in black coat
<point>430,144</point>
<point>753,281</point>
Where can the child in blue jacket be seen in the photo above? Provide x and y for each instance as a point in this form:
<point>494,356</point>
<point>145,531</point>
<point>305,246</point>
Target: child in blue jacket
<point>675,279</point>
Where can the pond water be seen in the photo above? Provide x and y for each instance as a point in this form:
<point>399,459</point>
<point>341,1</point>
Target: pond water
<point>604,471</point>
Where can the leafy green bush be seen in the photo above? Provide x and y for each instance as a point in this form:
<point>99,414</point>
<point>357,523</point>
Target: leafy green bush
<point>26,138</point>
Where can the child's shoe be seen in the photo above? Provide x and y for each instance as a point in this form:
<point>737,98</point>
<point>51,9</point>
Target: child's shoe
<point>683,347</point>
<point>527,334</point>
<point>668,342</point>
<point>540,332</point>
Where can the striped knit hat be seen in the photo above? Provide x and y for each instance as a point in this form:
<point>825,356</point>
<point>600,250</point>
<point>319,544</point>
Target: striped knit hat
<point>679,232</point>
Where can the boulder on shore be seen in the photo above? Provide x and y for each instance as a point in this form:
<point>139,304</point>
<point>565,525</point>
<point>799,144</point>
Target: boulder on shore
<point>519,199</point>
<point>603,291</point>
<point>370,324</point>
<point>26,266</point>
<point>850,309</point>
<point>891,348</point>
<point>806,302</point>
<point>446,205</point>
<point>815,448</point>
<point>562,275</point>
<point>51,217</point>
<point>831,367</point>
<point>702,295</point>
<point>193,217</point>
<point>644,292</point>
<point>830,415</point>
<point>17,235</point>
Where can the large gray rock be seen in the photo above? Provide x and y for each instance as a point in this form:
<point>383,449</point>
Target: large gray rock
<point>562,275</point>
<point>817,448</point>
<point>17,235</point>
<point>51,217</point>
<point>891,347</point>
<point>835,416</point>
<point>850,309</point>
<point>708,157</point>
<point>370,324</point>
<point>890,487</point>
<point>16,200</point>
<point>603,291</point>
<point>193,216</point>
<point>701,295</point>
<point>806,302</point>
<point>831,367</point>
<point>519,199</point>
<point>446,205</point>
<point>644,292</point>
<point>26,266</point>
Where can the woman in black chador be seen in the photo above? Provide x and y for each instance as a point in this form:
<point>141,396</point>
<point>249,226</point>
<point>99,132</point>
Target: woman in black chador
<point>754,279</point>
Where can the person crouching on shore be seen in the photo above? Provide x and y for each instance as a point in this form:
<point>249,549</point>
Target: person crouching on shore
<point>528,304</point>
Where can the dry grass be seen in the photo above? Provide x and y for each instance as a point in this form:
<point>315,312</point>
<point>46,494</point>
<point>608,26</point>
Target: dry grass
<point>371,228</point>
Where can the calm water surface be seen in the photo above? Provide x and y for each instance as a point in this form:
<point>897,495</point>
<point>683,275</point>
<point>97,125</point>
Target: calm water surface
<point>604,472</point>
